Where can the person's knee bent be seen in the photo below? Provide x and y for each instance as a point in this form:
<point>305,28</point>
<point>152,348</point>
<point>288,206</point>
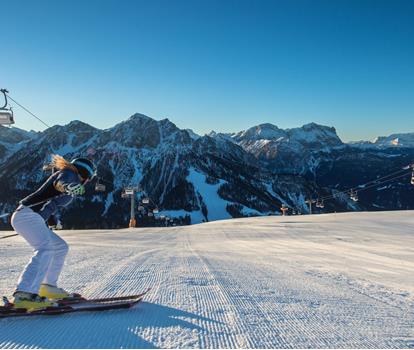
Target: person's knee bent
<point>55,247</point>
<point>45,250</point>
<point>62,247</point>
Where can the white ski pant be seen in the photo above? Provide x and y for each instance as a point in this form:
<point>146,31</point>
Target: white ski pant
<point>49,251</point>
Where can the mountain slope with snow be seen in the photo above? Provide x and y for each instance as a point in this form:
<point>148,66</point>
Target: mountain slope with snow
<point>405,140</point>
<point>286,151</point>
<point>11,140</point>
<point>249,173</point>
<point>160,158</point>
<point>316,281</point>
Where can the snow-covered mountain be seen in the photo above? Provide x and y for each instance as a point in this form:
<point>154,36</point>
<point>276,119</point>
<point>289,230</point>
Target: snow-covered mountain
<point>395,140</point>
<point>310,135</point>
<point>195,178</point>
<point>201,178</point>
<point>286,151</point>
<point>12,139</point>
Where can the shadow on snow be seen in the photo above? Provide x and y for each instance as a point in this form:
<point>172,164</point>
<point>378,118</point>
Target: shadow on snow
<point>108,329</point>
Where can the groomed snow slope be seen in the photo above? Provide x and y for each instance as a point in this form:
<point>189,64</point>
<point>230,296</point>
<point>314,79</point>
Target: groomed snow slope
<point>339,280</point>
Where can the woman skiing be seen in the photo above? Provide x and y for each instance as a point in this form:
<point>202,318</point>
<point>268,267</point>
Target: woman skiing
<point>37,285</point>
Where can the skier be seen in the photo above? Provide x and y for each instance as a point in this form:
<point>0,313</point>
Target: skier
<point>37,285</point>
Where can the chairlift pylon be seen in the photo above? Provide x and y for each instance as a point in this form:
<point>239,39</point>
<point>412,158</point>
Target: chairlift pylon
<point>6,114</point>
<point>284,209</point>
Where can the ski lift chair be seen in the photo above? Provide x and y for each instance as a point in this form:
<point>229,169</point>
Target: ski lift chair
<point>145,201</point>
<point>99,187</point>
<point>6,114</point>
<point>412,178</point>
<point>6,117</point>
<point>129,191</point>
<point>319,203</point>
<point>354,196</point>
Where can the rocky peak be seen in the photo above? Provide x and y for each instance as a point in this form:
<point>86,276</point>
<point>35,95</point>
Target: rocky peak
<point>139,116</point>
<point>168,127</point>
<point>15,135</point>
<point>137,131</point>
<point>315,135</point>
<point>136,121</point>
<point>79,126</point>
<point>264,131</point>
<point>192,134</point>
<point>395,140</point>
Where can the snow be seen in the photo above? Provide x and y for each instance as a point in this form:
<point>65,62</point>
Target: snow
<point>308,133</point>
<point>265,131</point>
<point>401,140</point>
<point>216,206</point>
<point>310,281</point>
<point>196,216</point>
<point>192,134</point>
<point>108,202</point>
<point>394,140</point>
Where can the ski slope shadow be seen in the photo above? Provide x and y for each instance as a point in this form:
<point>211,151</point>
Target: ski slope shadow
<point>110,329</point>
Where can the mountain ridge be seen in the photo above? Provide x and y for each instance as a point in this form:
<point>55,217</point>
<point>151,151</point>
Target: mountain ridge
<point>201,178</point>
<point>4,131</point>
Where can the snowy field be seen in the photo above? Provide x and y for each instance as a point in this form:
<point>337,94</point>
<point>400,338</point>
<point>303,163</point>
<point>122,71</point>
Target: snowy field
<point>338,280</point>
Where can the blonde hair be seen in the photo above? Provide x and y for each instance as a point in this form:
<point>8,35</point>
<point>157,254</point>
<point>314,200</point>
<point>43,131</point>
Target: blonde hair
<point>60,163</point>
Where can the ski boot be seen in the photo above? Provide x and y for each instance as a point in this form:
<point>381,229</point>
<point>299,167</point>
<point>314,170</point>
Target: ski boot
<point>55,293</point>
<point>30,301</point>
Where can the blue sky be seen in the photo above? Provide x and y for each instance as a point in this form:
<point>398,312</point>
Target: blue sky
<point>222,65</point>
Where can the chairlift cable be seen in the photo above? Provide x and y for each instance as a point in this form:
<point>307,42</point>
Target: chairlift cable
<point>27,110</point>
<point>383,182</point>
<point>380,178</point>
<point>365,188</point>
<point>375,182</point>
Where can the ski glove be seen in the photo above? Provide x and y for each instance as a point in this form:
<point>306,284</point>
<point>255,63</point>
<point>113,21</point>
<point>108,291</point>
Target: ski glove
<point>75,189</point>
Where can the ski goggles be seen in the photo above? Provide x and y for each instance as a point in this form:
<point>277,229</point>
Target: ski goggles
<point>91,173</point>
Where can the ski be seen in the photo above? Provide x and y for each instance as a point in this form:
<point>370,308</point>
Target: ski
<point>64,309</point>
<point>80,299</point>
